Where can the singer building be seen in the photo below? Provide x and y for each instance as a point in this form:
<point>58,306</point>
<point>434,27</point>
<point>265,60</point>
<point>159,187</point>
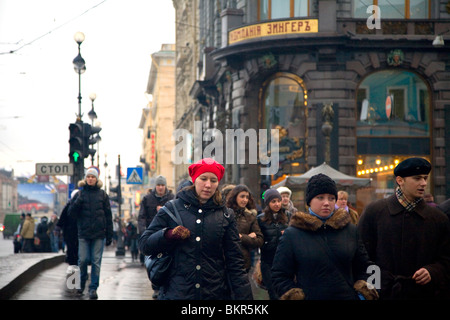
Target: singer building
<point>359,85</point>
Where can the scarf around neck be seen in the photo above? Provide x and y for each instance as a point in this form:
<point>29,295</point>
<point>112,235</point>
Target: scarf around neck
<point>321,218</point>
<point>409,206</point>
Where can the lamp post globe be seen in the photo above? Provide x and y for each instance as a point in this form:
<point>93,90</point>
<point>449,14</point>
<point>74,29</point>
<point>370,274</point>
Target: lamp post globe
<point>79,37</point>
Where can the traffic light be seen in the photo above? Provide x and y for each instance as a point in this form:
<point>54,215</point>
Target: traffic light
<point>76,151</point>
<point>118,197</point>
<point>76,142</point>
<point>89,139</point>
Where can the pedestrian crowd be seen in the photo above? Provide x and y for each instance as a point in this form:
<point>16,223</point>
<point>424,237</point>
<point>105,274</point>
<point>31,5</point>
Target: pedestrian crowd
<point>397,248</point>
<point>45,236</point>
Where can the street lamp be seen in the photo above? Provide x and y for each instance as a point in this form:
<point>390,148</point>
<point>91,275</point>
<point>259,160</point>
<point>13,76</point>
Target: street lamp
<point>92,115</point>
<point>80,67</point>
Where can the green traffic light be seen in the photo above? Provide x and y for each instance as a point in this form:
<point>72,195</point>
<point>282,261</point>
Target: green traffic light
<point>75,156</point>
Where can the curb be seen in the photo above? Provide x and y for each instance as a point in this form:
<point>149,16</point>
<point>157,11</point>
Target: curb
<point>29,274</point>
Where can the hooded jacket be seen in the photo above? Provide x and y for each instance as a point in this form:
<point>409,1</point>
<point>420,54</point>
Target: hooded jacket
<point>149,203</point>
<point>92,211</point>
<point>208,265</point>
<point>303,261</point>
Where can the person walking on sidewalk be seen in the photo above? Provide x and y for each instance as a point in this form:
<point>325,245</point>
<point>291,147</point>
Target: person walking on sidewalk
<point>208,262</point>
<point>154,200</point>
<point>408,239</point>
<point>320,256</point>
<point>27,234</point>
<point>92,211</point>
<point>70,234</point>
<point>240,200</point>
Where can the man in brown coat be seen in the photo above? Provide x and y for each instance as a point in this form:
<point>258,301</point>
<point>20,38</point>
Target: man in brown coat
<point>407,239</point>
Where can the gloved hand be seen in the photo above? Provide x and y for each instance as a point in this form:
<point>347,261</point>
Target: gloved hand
<point>177,233</point>
<point>108,242</point>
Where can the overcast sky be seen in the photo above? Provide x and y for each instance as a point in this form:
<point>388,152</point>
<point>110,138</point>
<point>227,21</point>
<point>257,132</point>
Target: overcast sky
<point>39,87</point>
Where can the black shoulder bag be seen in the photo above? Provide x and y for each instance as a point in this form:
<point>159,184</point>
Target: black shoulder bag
<point>158,266</point>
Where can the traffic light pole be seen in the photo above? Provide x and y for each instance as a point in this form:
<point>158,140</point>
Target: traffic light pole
<point>120,250</point>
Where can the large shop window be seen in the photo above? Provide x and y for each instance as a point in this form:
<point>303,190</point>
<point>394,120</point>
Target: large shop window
<point>278,9</point>
<point>394,9</point>
<point>393,103</point>
<point>393,110</point>
<point>284,107</point>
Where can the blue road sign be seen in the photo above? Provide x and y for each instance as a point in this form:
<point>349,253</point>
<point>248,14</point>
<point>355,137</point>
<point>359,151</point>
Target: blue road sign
<point>135,175</point>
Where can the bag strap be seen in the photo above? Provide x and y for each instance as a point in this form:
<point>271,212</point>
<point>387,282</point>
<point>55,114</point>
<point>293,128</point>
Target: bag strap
<point>325,248</point>
<point>176,217</point>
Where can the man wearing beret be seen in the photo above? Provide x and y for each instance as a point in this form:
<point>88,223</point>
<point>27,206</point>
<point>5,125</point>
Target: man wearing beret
<point>407,239</point>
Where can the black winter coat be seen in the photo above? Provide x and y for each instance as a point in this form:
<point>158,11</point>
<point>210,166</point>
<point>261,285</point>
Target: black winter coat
<point>271,233</point>
<point>302,261</point>
<point>147,209</point>
<point>209,264</point>
<point>92,211</point>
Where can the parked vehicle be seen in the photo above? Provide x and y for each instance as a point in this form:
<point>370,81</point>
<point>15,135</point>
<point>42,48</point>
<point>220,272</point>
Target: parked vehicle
<point>10,224</point>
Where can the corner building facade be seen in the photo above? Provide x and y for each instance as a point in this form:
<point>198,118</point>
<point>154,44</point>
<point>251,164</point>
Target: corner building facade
<point>359,90</point>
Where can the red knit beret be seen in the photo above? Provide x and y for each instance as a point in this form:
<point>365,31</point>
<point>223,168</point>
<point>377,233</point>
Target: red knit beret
<point>206,165</point>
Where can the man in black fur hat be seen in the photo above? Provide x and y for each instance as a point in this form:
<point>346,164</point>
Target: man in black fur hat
<point>407,239</point>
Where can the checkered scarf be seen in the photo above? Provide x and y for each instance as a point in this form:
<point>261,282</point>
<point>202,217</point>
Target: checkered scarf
<point>409,206</point>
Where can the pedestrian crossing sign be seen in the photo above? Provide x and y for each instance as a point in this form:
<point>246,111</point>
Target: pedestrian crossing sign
<point>135,175</point>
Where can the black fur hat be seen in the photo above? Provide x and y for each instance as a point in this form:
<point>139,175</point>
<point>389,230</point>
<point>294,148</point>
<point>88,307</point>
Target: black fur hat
<point>320,184</point>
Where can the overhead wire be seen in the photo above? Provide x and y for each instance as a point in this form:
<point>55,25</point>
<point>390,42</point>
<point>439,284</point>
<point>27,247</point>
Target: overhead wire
<point>54,29</point>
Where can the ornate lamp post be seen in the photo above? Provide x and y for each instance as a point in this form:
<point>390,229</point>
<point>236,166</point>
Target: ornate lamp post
<point>80,67</point>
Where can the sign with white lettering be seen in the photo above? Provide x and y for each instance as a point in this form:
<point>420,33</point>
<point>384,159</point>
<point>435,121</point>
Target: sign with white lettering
<point>54,169</point>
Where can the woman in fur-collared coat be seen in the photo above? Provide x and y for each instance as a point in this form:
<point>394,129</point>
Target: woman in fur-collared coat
<point>241,201</point>
<point>320,256</point>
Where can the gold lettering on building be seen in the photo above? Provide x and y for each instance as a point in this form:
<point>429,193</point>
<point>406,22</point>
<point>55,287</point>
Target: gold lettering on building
<point>272,29</point>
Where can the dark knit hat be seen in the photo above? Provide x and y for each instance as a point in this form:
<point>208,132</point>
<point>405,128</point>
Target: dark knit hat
<point>271,194</point>
<point>320,184</point>
<point>412,167</point>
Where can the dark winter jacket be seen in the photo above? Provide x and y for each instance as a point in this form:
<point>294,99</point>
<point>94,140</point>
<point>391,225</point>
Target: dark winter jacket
<point>67,223</point>
<point>207,265</point>
<point>272,232</point>
<point>302,259</point>
<point>147,209</point>
<point>92,211</point>
<point>402,242</point>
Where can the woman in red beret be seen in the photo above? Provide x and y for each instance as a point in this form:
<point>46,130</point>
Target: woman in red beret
<point>204,246</point>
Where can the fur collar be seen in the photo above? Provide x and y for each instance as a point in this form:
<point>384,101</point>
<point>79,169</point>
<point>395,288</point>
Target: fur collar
<point>306,221</point>
<point>83,183</point>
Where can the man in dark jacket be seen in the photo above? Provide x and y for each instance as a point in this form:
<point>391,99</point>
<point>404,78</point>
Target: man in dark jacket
<point>92,211</point>
<point>407,239</point>
<point>151,203</point>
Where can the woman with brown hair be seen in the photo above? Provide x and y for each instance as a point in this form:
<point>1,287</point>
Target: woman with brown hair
<point>241,201</point>
<point>272,222</point>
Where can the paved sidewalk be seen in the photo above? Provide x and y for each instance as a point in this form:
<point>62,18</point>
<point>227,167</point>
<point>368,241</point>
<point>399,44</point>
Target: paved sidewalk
<point>16,270</point>
<point>42,276</point>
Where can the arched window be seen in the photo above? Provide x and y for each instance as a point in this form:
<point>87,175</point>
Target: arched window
<point>394,118</point>
<point>284,106</point>
<point>278,9</point>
